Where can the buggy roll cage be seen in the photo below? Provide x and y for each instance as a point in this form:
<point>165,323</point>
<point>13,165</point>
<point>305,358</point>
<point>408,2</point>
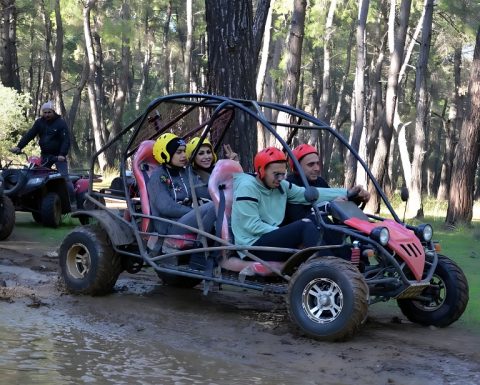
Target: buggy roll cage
<point>151,124</point>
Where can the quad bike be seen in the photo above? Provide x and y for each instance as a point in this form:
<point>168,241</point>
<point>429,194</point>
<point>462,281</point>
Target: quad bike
<point>7,213</point>
<point>327,297</point>
<point>43,191</point>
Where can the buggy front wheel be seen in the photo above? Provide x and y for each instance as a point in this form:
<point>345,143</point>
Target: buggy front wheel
<point>443,301</point>
<point>328,299</point>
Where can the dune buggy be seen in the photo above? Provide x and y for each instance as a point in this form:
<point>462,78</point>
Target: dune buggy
<point>327,297</point>
<point>42,190</point>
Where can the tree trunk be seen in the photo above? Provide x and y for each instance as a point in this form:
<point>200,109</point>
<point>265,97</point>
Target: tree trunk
<point>269,91</point>
<point>92,91</point>
<point>415,206</point>
<point>147,59</point>
<point>75,155</point>
<point>9,70</point>
<point>122,88</point>
<point>460,202</point>
<point>262,68</point>
<point>399,126</point>
<point>54,64</point>
<point>260,21</point>
<point>375,107</point>
<point>231,69</point>
<point>450,128</point>
<point>327,155</point>
<point>166,54</point>
<point>188,47</point>
<point>294,61</point>
<point>386,125</point>
<point>358,103</point>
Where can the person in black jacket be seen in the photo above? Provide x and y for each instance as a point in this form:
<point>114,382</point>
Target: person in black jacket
<point>54,141</point>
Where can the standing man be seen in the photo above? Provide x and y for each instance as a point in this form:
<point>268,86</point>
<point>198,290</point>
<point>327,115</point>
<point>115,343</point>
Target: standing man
<point>54,141</point>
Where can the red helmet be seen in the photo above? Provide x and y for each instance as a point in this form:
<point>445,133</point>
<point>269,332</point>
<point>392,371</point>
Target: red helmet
<point>265,157</point>
<point>300,151</point>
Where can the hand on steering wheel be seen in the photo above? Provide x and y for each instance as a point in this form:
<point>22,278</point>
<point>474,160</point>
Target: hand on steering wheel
<point>358,195</point>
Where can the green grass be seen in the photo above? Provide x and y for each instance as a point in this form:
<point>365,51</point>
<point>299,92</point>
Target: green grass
<point>461,245</point>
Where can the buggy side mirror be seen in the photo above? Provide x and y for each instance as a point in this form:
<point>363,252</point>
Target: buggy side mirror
<point>404,194</point>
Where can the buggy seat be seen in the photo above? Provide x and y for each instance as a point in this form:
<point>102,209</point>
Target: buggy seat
<point>143,165</point>
<point>220,187</point>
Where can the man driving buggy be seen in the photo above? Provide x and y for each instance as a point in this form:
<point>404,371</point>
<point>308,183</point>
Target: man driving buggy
<point>260,201</point>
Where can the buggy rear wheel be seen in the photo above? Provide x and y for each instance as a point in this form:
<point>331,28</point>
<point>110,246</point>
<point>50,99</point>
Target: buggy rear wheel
<point>328,299</point>
<point>88,263</point>
<point>7,220</point>
<point>444,301</point>
<point>51,210</point>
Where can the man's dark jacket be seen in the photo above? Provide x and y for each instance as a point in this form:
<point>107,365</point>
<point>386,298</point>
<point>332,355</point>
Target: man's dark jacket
<point>54,138</point>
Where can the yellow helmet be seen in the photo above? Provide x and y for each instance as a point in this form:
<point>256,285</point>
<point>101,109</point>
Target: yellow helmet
<point>163,150</point>
<point>193,143</point>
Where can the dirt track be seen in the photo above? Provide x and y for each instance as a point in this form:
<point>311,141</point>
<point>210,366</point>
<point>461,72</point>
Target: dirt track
<point>230,336</point>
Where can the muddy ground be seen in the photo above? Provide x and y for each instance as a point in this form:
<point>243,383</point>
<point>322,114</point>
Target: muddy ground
<point>147,333</point>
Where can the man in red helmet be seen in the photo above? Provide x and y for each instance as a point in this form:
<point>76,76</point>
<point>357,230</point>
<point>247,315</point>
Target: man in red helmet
<point>309,160</point>
<point>259,204</point>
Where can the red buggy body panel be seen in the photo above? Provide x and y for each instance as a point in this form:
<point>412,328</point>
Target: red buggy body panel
<point>402,240</point>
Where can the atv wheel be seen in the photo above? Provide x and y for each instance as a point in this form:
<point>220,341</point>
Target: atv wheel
<point>88,263</point>
<point>328,299</point>
<point>446,297</point>
<point>7,221</point>
<point>51,210</point>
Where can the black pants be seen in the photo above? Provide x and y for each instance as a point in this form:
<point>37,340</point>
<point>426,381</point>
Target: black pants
<point>303,233</point>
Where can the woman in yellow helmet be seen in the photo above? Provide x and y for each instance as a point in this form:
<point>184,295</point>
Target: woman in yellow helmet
<point>169,189</point>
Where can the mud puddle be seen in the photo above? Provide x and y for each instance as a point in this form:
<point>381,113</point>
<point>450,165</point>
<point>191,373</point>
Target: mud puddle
<point>146,333</point>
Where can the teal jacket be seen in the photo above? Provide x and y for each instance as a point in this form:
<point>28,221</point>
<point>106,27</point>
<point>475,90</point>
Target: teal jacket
<point>258,210</point>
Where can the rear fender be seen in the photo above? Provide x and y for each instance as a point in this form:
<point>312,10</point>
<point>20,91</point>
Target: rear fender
<point>120,233</point>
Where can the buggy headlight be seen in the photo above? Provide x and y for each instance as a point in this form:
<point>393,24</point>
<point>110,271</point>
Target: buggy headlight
<point>424,232</point>
<point>381,235</point>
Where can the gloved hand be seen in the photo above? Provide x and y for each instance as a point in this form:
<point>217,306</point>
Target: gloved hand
<point>358,194</point>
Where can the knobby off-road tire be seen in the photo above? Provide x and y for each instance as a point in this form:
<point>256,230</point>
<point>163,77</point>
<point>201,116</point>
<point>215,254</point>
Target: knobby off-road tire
<point>88,263</point>
<point>448,291</point>
<point>51,210</point>
<point>7,221</point>
<point>328,299</point>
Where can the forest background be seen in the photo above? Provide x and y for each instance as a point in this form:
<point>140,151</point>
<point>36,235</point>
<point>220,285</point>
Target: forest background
<point>400,79</point>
